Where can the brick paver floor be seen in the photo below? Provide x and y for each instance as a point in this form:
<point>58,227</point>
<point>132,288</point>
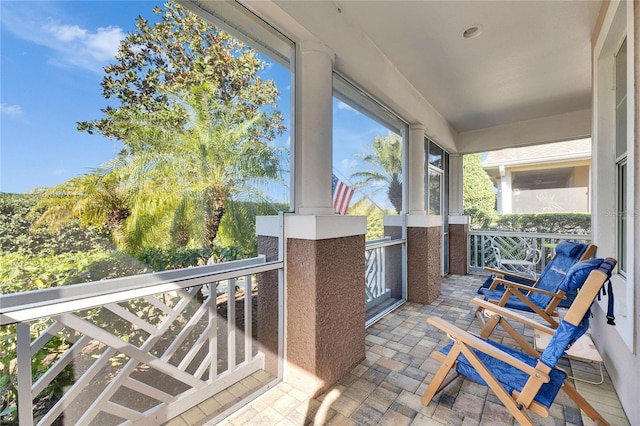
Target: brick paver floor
<point>386,387</point>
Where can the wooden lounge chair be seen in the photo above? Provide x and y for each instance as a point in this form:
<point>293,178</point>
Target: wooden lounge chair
<point>566,254</point>
<point>544,299</point>
<point>523,382</point>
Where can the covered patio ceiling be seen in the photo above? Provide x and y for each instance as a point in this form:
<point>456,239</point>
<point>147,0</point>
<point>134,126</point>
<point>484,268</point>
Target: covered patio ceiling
<point>528,66</point>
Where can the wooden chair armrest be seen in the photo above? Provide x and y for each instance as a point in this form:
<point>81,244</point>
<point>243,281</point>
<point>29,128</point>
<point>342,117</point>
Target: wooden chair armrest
<point>512,315</point>
<point>511,274</point>
<point>482,346</point>
<point>513,286</point>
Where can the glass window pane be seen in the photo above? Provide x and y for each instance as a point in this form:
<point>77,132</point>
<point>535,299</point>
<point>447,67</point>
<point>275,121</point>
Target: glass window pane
<point>367,156</point>
<point>622,216</point>
<point>435,192</point>
<point>133,190</point>
<point>436,155</point>
<point>621,100</point>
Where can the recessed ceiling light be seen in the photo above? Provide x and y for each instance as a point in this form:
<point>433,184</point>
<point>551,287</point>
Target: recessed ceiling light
<point>472,31</point>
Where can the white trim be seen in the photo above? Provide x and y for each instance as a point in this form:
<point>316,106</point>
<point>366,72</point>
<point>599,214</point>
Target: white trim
<point>414,220</point>
<point>555,128</point>
<point>269,226</point>
<point>459,219</point>
<point>308,227</point>
<point>617,24</point>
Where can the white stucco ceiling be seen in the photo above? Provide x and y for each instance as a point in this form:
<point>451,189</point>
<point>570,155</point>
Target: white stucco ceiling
<point>531,60</point>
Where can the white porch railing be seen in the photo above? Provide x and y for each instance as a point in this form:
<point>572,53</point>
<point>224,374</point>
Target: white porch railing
<point>515,244</point>
<point>376,289</point>
<point>141,349</point>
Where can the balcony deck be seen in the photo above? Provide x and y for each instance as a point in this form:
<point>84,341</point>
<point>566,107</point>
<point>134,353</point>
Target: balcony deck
<point>386,387</point>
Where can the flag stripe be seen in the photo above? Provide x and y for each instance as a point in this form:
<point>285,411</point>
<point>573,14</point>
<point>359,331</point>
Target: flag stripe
<point>342,195</point>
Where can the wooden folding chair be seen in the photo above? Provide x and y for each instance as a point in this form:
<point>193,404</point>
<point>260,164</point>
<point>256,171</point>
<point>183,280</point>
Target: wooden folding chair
<point>566,254</point>
<point>543,302</point>
<point>521,380</point>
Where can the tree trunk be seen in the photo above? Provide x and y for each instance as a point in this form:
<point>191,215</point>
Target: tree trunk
<point>215,211</point>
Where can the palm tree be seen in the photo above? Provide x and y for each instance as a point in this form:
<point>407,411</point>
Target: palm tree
<point>385,158</point>
<point>95,199</point>
<point>178,182</point>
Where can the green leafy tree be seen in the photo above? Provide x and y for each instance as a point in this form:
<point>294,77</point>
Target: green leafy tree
<point>184,179</point>
<point>180,51</point>
<point>479,198</point>
<point>195,120</point>
<point>375,217</point>
<point>385,160</point>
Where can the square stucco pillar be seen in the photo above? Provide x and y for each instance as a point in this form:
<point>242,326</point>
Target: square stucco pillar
<point>325,299</point>
<point>424,258</point>
<point>269,230</point>
<point>459,244</point>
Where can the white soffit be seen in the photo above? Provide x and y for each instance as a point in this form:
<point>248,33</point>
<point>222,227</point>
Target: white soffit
<point>530,60</point>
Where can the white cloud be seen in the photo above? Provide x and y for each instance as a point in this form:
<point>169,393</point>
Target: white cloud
<point>65,33</point>
<point>57,172</point>
<point>103,45</point>
<point>342,105</point>
<point>347,166</point>
<point>70,44</point>
<point>80,47</point>
<point>11,110</point>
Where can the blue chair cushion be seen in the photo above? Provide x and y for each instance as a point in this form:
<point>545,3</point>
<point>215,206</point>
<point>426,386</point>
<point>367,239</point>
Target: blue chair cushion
<point>565,336</point>
<point>574,279</point>
<point>578,274</point>
<point>570,249</point>
<point>567,253</point>
<point>509,377</point>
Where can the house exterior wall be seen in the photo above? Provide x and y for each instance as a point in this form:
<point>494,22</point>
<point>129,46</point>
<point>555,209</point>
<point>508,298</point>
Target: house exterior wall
<point>619,345</point>
<point>572,198</point>
<point>556,200</point>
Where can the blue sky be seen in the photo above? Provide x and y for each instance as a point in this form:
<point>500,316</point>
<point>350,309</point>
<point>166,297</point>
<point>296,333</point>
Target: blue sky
<point>51,64</point>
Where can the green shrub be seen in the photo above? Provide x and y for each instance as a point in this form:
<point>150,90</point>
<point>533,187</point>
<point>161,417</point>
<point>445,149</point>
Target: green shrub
<point>554,223</point>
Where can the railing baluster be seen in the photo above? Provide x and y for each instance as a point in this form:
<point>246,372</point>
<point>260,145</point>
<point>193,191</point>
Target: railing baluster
<point>383,273</point>
<point>231,324</point>
<point>213,331</point>
<point>248,318</point>
<point>23,350</point>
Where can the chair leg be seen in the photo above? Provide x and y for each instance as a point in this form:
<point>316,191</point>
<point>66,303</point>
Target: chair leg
<point>489,325</point>
<point>480,315</point>
<point>583,404</point>
<point>439,380</point>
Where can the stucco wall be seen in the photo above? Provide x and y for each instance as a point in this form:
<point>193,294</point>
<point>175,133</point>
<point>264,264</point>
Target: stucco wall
<point>325,309</point>
<point>424,281</point>
<point>268,305</point>
<point>458,249</point>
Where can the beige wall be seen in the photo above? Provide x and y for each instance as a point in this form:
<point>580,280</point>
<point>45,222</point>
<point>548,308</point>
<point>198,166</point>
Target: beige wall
<point>581,176</point>
<point>557,200</point>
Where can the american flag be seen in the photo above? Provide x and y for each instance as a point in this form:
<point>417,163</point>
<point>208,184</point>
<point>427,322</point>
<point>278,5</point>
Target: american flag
<point>342,194</point>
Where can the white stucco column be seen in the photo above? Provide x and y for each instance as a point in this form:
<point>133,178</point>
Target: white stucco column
<point>313,129</point>
<point>456,168</point>
<point>506,195</point>
<point>416,169</point>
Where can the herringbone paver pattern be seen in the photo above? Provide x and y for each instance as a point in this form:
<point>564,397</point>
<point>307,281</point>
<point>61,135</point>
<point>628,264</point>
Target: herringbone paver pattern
<point>386,388</point>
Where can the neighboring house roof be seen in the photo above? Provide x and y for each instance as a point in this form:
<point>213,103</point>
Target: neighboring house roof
<point>559,151</point>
